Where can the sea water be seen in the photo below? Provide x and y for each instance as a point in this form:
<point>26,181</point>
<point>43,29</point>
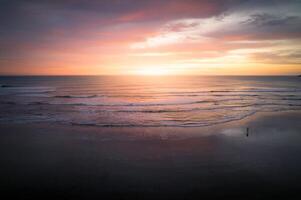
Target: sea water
<point>144,101</point>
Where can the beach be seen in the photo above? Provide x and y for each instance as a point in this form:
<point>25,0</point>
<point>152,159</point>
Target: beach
<point>150,100</point>
<point>48,160</point>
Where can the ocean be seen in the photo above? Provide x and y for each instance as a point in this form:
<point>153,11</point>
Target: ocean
<point>144,101</point>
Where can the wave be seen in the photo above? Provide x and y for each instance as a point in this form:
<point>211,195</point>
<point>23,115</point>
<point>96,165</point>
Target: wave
<point>238,91</point>
<point>182,110</point>
<point>292,99</point>
<point>6,86</point>
<point>131,104</point>
<point>213,93</point>
<point>77,96</point>
<point>26,119</point>
<point>214,102</point>
<point>159,95</point>
<point>184,124</point>
<point>204,109</point>
<point>242,107</point>
<point>8,102</point>
<point>284,90</point>
<point>38,103</point>
<point>174,123</point>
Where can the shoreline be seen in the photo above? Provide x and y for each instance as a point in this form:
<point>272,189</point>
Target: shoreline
<point>170,132</point>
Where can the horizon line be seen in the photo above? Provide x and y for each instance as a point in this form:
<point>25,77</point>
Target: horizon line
<point>70,75</point>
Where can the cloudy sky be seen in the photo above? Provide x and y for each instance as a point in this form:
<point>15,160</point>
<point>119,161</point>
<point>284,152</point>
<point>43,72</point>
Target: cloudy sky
<point>207,37</point>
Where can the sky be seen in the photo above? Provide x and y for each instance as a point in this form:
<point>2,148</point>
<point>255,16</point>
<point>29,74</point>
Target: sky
<point>150,37</point>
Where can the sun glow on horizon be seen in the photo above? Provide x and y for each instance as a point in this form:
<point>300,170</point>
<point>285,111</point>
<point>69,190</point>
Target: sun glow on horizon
<point>152,71</point>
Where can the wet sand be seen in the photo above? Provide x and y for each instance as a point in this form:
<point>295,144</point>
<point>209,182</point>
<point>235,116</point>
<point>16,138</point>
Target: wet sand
<point>41,161</point>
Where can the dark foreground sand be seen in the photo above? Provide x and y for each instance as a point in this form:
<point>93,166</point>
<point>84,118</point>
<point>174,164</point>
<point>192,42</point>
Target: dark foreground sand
<point>71,162</point>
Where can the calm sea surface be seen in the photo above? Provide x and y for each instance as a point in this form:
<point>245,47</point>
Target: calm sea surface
<point>116,101</point>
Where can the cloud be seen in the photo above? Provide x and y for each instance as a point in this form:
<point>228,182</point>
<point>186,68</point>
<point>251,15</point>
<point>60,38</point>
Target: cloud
<point>277,57</point>
<point>231,27</point>
<point>271,20</point>
<point>30,24</point>
<point>96,30</point>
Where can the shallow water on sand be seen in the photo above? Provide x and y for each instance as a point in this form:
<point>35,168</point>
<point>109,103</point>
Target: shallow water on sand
<point>129,101</point>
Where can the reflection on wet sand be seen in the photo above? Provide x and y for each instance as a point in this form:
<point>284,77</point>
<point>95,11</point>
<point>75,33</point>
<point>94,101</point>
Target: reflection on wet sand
<point>154,163</point>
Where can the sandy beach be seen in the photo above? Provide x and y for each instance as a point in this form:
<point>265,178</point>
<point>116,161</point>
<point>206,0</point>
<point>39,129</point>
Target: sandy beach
<point>215,162</point>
